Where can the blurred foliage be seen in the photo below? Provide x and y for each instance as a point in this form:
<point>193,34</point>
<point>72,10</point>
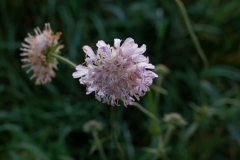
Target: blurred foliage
<point>46,122</point>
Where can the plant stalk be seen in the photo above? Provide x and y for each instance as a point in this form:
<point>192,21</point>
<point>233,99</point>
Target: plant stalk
<point>113,115</point>
<point>99,145</point>
<point>64,60</point>
<point>168,134</point>
<point>152,116</point>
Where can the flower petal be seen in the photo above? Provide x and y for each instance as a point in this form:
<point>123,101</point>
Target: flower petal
<point>101,44</point>
<point>81,71</point>
<point>141,50</point>
<point>88,50</point>
<point>117,43</point>
<point>146,65</point>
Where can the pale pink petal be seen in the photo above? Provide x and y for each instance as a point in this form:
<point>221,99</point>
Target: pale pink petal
<point>81,71</point>
<point>88,50</point>
<point>141,50</point>
<point>101,44</point>
<point>117,43</point>
<point>146,65</point>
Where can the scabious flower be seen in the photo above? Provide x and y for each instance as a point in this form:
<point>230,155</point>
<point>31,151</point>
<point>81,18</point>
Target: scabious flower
<point>38,54</point>
<point>116,73</point>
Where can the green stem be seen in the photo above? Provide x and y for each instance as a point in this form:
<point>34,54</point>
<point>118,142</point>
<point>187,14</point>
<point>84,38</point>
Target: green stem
<point>193,35</point>
<point>157,94</point>
<point>64,60</point>
<point>99,145</point>
<point>146,112</point>
<point>113,114</point>
<point>168,134</point>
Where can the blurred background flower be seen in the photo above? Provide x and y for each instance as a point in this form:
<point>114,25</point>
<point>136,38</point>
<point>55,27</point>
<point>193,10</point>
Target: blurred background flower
<point>38,54</point>
<point>174,119</point>
<point>92,126</point>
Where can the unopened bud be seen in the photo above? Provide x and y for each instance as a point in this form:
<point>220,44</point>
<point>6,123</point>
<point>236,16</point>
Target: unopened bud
<point>174,119</point>
<point>91,126</point>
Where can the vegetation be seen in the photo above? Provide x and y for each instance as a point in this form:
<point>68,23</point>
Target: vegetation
<point>46,122</point>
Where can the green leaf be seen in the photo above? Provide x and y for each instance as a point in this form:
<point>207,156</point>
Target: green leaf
<point>190,131</point>
<point>234,132</point>
<point>224,71</point>
<point>31,148</point>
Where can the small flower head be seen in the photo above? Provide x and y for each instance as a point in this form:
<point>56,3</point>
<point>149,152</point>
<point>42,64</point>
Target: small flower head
<point>174,119</point>
<point>116,73</point>
<point>162,69</point>
<point>91,126</point>
<point>37,54</point>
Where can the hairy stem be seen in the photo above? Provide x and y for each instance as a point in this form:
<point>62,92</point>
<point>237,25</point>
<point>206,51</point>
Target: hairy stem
<point>64,60</point>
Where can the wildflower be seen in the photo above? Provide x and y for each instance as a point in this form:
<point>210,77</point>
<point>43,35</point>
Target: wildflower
<point>174,119</point>
<point>39,51</point>
<point>117,72</point>
<point>91,126</point>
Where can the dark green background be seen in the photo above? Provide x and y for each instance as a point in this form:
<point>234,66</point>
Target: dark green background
<point>45,122</point>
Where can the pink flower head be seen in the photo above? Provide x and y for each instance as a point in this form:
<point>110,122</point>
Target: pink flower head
<point>38,52</point>
<point>117,72</point>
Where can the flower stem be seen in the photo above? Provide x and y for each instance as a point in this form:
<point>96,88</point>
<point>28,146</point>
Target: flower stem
<point>193,35</point>
<point>99,145</point>
<point>146,112</point>
<point>113,114</point>
<point>168,134</point>
<point>64,60</point>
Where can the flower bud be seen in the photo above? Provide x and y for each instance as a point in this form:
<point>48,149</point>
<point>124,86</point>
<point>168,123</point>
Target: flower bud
<point>91,126</point>
<point>174,119</point>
